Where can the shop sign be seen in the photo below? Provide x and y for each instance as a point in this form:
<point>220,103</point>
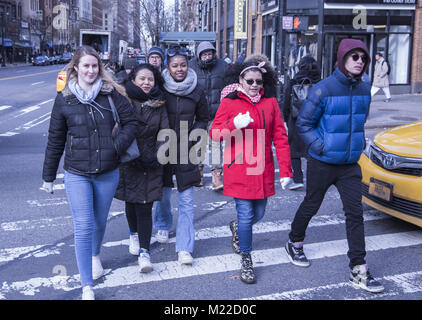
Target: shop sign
<point>287,22</point>
<point>240,14</point>
<point>24,25</point>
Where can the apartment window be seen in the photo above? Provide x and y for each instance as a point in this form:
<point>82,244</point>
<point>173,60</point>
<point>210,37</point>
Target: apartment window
<point>13,12</point>
<point>20,11</point>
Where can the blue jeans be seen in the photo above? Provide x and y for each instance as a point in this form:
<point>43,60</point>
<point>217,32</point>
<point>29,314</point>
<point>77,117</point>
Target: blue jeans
<point>249,212</point>
<point>163,219</point>
<point>90,200</point>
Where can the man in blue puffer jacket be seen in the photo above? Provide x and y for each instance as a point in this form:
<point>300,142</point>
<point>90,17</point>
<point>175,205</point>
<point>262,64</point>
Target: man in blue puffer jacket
<point>331,123</point>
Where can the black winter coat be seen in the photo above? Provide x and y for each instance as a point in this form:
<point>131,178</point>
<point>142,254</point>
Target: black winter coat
<point>212,80</point>
<point>85,135</point>
<point>139,183</point>
<point>192,108</point>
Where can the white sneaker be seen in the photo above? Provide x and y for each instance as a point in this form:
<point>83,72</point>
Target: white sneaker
<point>162,236</point>
<point>295,186</point>
<point>88,293</point>
<point>144,261</point>
<point>185,257</point>
<point>134,244</point>
<point>97,268</point>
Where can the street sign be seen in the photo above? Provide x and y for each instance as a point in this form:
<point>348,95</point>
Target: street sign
<point>287,22</point>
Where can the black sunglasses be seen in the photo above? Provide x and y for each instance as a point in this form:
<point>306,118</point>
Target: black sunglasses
<point>176,51</point>
<point>356,57</point>
<point>250,82</point>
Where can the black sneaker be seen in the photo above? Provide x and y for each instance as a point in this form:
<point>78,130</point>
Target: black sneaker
<point>247,273</point>
<point>235,237</point>
<point>364,280</point>
<point>296,255</point>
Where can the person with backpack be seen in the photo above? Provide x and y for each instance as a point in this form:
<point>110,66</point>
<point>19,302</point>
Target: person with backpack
<point>381,81</point>
<point>295,94</point>
<point>331,124</point>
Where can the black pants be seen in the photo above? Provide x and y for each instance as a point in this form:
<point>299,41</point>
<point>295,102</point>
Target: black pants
<point>139,218</point>
<point>347,179</point>
<point>297,170</point>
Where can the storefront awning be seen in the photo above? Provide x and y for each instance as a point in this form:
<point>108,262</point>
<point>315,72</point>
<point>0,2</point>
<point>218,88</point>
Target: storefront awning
<point>23,44</point>
<point>186,37</point>
<point>7,42</point>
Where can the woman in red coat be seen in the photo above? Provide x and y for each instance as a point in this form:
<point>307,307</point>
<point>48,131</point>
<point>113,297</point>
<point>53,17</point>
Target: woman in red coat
<point>249,121</point>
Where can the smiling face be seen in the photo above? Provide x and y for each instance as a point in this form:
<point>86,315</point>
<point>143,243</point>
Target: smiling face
<point>249,82</point>
<point>87,70</point>
<point>178,68</point>
<point>355,62</point>
<point>145,80</point>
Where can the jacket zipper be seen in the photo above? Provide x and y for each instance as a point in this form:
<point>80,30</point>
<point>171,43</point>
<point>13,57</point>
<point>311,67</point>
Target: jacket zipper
<point>71,142</point>
<point>351,120</point>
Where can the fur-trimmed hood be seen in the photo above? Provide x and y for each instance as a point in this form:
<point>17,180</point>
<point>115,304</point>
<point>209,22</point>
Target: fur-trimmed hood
<point>154,103</point>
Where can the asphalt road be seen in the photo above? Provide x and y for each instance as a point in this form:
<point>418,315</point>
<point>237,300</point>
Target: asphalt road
<point>37,258</point>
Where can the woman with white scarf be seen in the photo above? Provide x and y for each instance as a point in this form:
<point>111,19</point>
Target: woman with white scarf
<point>186,106</point>
<point>81,126</point>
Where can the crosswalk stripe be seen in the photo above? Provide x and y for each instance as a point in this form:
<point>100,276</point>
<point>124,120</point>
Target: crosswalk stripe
<point>130,275</point>
<point>401,284</point>
<point>10,254</point>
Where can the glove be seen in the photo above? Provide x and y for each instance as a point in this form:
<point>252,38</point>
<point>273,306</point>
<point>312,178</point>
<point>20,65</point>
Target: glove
<point>242,120</point>
<point>47,187</point>
<point>285,182</point>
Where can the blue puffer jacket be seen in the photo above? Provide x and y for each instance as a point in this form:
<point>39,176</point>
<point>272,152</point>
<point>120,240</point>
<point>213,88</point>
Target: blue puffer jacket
<point>331,120</point>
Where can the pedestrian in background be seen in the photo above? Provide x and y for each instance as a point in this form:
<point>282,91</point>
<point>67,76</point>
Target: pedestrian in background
<point>381,74</point>
<point>186,104</point>
<point>156,57</point>
<point>296,89</point>
<point>210,71</point>
<point>250,121</point>
<point>331,123</point>
<point>141,180</point>
<point>81,125</point>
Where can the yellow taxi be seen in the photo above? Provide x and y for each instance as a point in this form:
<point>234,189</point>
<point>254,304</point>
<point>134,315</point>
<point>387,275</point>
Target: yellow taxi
<point>61,79</point>
<point>392,172</point>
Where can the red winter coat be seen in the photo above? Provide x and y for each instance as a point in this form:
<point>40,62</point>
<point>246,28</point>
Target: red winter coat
<point>245,176</point>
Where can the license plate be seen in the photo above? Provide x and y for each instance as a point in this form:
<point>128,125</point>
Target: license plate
<point>380,189</point>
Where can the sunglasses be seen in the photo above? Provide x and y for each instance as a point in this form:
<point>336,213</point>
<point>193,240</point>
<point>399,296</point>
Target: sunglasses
<point>177,51</point>
<point>250,82</point>
<point>356,57</point>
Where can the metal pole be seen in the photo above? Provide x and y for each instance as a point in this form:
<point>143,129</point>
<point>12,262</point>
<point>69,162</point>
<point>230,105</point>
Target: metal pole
<point>281,34</point>
<point>3,48</point>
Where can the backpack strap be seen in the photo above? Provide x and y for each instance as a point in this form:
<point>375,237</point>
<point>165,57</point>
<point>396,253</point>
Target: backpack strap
<point>113,109</point>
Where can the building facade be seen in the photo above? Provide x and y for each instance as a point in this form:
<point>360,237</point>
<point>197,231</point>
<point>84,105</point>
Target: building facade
<point>316,27</point>
<point>34,27</point>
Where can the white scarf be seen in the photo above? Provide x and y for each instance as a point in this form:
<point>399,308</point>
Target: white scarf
<point>83,97</point>
<point>182,88</point>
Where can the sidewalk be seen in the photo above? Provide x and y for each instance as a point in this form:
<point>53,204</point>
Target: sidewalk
<point>402,109</point>
<point>15,65</point>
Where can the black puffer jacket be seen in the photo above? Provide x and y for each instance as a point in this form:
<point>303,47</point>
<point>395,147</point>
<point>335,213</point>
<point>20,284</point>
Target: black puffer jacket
<point>192,108</point>
<point>140,180</point>
<point>85,135</point>
<point>211,78</point>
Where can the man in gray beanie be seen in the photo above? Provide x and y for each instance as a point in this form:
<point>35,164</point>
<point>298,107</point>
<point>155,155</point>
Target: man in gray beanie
<point>210,71</point>
<point>156,57</point>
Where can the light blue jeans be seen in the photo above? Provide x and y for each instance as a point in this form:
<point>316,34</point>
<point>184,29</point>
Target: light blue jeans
<point>249,212</point>
<point>163,218</point>
<point>90,200</point>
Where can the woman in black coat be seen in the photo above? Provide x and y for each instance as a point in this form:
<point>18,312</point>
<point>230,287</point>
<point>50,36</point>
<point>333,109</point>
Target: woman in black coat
<point>81,126</point>
<point>309,73</point>
<point>187,110</point>
<point>141,180</point>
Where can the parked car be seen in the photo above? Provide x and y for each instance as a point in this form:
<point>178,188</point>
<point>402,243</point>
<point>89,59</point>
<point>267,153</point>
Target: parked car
<point>66,57</point>
<point>61,79</point>
<point>40,61</point>
<point>140,58</point>
<point>392,172</point>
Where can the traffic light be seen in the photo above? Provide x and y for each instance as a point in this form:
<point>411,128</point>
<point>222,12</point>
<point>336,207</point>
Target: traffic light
<point>300,23</point>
